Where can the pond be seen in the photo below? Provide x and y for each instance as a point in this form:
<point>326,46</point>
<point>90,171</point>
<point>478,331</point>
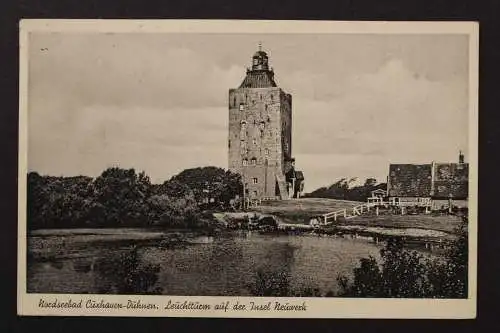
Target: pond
<point>85,261</point>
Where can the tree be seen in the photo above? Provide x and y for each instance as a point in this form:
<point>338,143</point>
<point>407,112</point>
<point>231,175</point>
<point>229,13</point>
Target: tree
<point>122,194</point>
<point>57,201</point>
<point>211,183</point>
<point>343,190</point>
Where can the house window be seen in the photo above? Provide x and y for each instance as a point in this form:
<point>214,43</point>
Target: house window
<point>266,151</point>
<point>245,162</point>
<point>255,193</point>
<point>242,107</point>
<point>255,180</point>
<point>254,141</point>
<point>254,161</point>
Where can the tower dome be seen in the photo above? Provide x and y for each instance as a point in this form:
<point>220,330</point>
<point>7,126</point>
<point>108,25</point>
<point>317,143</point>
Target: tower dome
<point>260,60</point>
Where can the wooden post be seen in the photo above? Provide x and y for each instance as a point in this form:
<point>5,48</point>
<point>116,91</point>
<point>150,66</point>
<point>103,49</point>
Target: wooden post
<point>450,204</point>
<point>376,210</point>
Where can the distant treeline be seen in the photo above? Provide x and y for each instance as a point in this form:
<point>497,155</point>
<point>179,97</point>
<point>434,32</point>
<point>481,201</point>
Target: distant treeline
<point>342,190</point>
<point>123,197</point>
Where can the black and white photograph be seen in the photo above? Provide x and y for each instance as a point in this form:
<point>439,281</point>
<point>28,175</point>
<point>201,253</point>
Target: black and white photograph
<point>276,164</point>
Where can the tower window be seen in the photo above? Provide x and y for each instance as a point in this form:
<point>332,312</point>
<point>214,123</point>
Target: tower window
<point>255,180</point>
<point>243,147</point>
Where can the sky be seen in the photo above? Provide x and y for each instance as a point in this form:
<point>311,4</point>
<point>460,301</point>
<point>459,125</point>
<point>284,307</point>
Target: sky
<point>158,102</point>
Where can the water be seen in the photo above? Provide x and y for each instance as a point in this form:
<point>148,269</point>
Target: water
<point>86,262</point>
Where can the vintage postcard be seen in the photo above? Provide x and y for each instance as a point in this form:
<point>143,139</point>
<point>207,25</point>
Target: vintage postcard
<point>274,169</point>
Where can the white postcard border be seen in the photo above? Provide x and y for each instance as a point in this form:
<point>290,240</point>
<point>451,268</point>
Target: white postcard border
<point>28,303</point>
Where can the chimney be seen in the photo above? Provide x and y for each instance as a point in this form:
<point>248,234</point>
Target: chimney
<point>460,157</point>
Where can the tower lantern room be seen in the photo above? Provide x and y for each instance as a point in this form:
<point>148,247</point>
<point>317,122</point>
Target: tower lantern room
<point>260,60</point>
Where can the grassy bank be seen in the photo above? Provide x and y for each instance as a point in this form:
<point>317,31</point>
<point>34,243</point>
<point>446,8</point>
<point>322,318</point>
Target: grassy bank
<point>445,223</point>
<point>301,210</point>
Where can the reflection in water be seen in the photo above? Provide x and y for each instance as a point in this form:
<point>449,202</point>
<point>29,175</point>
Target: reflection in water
<point>124,273</point>
<point>241,264</point>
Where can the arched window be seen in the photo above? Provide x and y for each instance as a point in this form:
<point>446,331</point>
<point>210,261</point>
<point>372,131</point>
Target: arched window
<point>254,161</point>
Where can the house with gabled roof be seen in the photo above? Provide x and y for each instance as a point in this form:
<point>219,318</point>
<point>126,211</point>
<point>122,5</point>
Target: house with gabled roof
<point>434,185</point>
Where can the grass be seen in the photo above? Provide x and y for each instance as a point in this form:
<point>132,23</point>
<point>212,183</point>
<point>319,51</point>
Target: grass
<point>446,223</point>
<point>301,210</point>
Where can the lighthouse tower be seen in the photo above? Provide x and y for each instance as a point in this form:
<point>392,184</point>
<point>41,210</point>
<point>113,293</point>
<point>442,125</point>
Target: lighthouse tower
<point>260,134</point>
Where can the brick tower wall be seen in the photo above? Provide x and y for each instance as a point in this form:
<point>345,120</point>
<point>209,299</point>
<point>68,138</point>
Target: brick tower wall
<point>260,134</point>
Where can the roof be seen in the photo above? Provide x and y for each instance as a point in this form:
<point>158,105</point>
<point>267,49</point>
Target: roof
<point>437,180</point>
<point>409,180</point>
<point>451,178</point>
<point>260,53</point>
<point>258,79</point>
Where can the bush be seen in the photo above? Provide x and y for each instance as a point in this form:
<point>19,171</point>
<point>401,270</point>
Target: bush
<point>409,274</point>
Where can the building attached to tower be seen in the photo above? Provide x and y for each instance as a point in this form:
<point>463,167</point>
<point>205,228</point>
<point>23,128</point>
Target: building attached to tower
<point>260,135</point>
